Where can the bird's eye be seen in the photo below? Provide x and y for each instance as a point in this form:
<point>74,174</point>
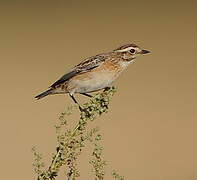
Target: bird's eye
<point>132,51</point>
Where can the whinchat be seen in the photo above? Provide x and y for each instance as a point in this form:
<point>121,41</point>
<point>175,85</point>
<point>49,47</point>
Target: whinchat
<point>95,73</point>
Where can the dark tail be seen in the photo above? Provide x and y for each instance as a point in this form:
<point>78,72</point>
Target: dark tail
<point>46,93</point>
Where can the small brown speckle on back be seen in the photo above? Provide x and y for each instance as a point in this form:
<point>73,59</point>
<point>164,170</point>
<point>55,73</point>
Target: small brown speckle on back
<point>63,86</point>
<point>58,86</point>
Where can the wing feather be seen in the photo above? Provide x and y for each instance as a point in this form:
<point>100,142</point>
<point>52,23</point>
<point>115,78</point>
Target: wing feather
<point>86,65</point>
<point>64,78</point>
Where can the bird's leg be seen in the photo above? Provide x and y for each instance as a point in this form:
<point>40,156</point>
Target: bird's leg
<point>73,98</point>
<point>80,108</point>
<point>85,94</point>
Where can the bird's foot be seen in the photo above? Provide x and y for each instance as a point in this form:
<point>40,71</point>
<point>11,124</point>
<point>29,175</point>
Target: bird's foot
<point>84,110</point>
<point>107,88</point>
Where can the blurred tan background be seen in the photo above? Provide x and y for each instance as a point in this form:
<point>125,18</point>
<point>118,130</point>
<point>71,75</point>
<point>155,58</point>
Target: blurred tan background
<point>150,130</point>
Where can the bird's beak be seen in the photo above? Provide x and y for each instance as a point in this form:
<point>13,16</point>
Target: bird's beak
<point>144,51</point>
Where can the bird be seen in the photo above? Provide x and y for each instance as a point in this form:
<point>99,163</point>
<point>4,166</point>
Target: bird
<point>95,73</point>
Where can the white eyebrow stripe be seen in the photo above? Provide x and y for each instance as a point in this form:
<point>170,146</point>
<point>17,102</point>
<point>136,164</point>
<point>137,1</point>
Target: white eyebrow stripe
<point>126,49</point>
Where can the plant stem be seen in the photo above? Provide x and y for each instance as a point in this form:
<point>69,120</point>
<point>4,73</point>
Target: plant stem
<point>71,143</point>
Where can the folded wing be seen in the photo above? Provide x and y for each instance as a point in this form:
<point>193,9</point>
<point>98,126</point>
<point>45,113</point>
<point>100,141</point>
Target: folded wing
<point>86,65</point>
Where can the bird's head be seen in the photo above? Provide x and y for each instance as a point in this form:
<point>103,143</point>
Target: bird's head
<point>129,52</point>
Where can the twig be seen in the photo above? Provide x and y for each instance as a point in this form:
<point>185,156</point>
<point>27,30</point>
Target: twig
<point>71,143</point>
